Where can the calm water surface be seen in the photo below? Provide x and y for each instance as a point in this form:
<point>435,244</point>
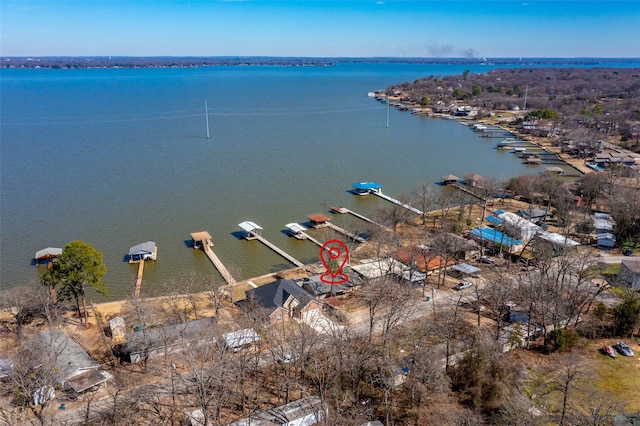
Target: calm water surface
<point>117,157</point>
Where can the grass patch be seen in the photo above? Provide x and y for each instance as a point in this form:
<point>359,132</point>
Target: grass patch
<point>621,376</point>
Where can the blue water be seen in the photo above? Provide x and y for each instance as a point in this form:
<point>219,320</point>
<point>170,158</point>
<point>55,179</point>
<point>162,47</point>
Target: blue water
<point>116,157</point>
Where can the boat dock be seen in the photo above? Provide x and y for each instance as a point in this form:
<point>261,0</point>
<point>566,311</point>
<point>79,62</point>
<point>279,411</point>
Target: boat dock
<point>397,202</point>
<point>298,231</point>
<point>346,233</point>
<point>252,232</point>
<point>466,190</point>
<point>344,210</point>
<point>203,240</point>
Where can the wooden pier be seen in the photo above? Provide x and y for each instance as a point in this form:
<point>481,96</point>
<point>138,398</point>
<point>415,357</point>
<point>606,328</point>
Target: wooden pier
<point>398,202</point>
<point>344,210</point>
<point>346,233</point>
<point>136,291</point>
<point>203,240</point>
<point>466,190</point>
<point>252,232</point>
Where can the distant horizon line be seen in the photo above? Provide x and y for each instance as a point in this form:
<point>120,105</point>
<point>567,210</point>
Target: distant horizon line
<point>484,58</point>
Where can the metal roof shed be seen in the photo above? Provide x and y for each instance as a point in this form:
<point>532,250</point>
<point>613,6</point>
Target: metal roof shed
<point>49,254</point>
<point>237,340</point>
<point>252,229</point>
<point>143,251</point>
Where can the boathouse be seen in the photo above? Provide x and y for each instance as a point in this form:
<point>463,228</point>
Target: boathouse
<point>318,220</point>
<point>201,239</point>
<point>47,255</point>
<point>364,188</point>
<point>474,180</point>
<point>251,229</point>
<point>143,251</point>
<point>296,230</point>
<point>449,179</point>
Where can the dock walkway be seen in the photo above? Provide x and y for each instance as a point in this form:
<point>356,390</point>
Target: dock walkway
<point>344,210</point>
<point>277,249</point>
<point>467,190</point>
<point>398,202</point>
<point>226,275</point>
<point>136,291</point>
<point>345,232</point>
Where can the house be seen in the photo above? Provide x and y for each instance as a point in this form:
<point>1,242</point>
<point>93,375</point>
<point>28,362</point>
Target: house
<point>319,289</point>
<point>517,226</point>
<point>282,299</point>
<point>421,259</point>
<point>143,251</point>
<point>606,239</point>
<point>302,412</point>
<point>238,340</point>
<point>490,237</point>
<point>465,270</point>
<point>603,223</point>
<point>630,272</point>
<point>152,342</point>
<point>374,269</point>
<point>75,369</point>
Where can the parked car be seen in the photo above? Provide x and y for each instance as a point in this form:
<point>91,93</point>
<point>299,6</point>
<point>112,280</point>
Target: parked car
<point>289,358</point>
<point>608,350</point>
<point>623,349</point>
<point>487,259</point>
<point>463,285</point>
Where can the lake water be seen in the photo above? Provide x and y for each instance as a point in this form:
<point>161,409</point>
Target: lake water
<point>116,157</point>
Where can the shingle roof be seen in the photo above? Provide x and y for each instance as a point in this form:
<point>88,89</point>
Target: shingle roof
<point>275,294</point>
<point>66,354</point>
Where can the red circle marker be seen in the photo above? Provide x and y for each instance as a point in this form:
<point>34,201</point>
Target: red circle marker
<point>335,249</point>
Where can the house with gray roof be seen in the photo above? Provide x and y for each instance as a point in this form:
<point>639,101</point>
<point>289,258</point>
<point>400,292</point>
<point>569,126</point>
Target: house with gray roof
<point>282,299</point>
<point>152,342</point>
<point>630,272</point>
<point>75,369</point>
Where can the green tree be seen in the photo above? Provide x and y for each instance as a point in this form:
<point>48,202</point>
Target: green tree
<point>626,315</point>
<point>476,90</point>
<point>425,101</point>
<point>79,265</point>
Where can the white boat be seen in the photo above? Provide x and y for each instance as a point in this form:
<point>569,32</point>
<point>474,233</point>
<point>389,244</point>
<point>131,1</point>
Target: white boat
<point>519,149</point>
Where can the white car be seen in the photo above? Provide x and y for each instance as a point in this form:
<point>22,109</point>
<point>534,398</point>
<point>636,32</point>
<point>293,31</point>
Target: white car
<point>463,285</point>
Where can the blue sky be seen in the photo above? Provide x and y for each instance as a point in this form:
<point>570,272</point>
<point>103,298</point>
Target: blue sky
<point>328,28</point>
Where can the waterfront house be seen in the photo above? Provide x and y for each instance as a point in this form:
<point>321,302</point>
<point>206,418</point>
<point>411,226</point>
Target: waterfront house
<point>319,289</point>
<point>74,368</point>
<point>143,251</point>
<point>281,300</point>
<point>492,238</point>
<point>377,269</point>
<point>534,214</point>
<point>152,342</point>
<point>422,259</point>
